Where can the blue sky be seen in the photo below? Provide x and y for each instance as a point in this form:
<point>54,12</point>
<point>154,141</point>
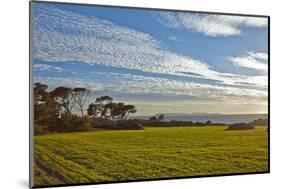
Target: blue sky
<point>161,61</point>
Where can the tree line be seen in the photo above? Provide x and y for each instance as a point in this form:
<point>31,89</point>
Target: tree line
<point>53,110</point>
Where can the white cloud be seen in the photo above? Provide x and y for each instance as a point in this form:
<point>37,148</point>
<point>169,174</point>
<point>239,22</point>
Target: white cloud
<point>62,36</point>
<point>209,24</point>
<point>132,84</point>
<point>252,60</point>
<point>46,67</point>
<point>174,38</point>
<point>54,82</point>
<point>176,94</point>
<point>139,85</point>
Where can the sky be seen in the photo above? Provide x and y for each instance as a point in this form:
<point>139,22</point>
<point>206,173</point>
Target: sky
<point>160,61</point>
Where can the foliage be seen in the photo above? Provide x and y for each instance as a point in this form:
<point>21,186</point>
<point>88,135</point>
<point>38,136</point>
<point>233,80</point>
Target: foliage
<point>102,123</point>
<point>174,123</point>
<point>62,96</point>
<point>241,126</point>
<point>79,95</point>
<point>260,122</point>
<point>130,124</point>
<point>156,118</point>
<point>45,108</point>
<point>70,123</point>
<point>53,110</point>
<point>104,107</point>
<point>40,130</point>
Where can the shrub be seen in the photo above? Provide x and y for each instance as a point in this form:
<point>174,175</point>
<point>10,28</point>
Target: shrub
<point>81,123</point>
<point>121,124</point>
<point>200,123</point>
<point>241,126</point>
<point>102,123</point>
<point>128,124</point>
<point>40,130</point>
<point>260,122</point>
<point>70,123</point>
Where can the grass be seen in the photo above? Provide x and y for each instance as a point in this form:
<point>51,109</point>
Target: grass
<point>101,156</point>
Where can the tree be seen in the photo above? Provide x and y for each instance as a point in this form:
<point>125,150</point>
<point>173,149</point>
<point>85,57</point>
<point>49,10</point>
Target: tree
<point>45,108</point>
<point>40,93</point>
<point>79,96</point>
<point>106,108</point>
<point>115,109</point>
<point>63,96</point>
<point>161,117</point>
<point>119,110</point>
<point>104,100</point>
<point>153,118</point>
<point>93,110</point>
<point>103,103</point>
<point>157,117</point>
<point>127,110</point>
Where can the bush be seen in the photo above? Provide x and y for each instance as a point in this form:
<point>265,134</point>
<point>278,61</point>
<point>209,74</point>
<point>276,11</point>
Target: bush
<point>241,126</point>
<point>70,123</point>
<point>118,125</point>
<point>81,124</point>
<point>175,123</point>
<point>130,125</point>
<point>102,123</point>
<point>40,130</point>
<point>260,122</point>
<point>200,123</point>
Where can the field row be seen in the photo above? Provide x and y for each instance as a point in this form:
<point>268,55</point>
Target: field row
<point>146,154</point>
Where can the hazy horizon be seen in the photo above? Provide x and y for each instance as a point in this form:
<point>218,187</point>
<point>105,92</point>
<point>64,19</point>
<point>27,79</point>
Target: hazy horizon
<point>197,113</point>
<point>159,61</point>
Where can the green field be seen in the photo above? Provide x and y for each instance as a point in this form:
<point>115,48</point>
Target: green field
<point>101,156</point>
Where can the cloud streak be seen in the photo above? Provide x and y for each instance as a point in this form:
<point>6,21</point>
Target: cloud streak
<point>132,85</point>
<point>210,25</point>
<point>139,85</point>
<point>134,66</point>
<point>71,82</point>
<point>251,60</point>
<point>63,36</point>
<point>46,67</point>
<point>174,38</point>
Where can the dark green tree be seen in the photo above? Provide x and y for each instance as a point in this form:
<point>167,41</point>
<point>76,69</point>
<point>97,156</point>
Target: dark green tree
<point>120,110</point>
<point>161,117</point>
<point>127,110</point>
<point>104,105</point>
<point>93,110</point>
<point>63,97</point>
<point>45,108</point>
<point>40,93</point>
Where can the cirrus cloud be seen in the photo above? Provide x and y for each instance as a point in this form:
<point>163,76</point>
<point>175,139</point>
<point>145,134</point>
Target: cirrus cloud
<point>210,25</point>
<point>133,85</point>
<point>64,36</point>
<point>45,67</point>
<point>251,60</point>
<point>53,82</point>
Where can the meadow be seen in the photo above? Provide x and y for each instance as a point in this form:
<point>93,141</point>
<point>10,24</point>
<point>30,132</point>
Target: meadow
<point>104,156</point>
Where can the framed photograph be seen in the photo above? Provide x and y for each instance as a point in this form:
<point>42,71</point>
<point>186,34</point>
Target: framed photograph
<point>122,94</point>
